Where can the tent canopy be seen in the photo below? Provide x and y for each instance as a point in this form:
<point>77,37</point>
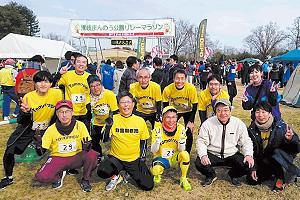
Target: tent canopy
<point>252,60</point>
<point>21,46</point>
<point>293,55</point>
<point>291,93</point>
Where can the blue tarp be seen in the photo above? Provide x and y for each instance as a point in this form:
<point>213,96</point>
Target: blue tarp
<point>293,55</point>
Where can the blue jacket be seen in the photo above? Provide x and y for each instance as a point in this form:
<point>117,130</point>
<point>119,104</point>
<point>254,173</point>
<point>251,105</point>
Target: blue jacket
<point>107,72</point>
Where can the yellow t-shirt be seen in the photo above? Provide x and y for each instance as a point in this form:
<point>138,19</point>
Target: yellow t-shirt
<point>65,145</point>
<point>6,77</point>
<point>126,134</point>
<point>169,144</point>
<point>205,104</point>
<point>146,98</point>
<point>43,107</point>
<point>182,99</point>
<point>77,90</point>
<point>102,108</point>
<point>265,138</point>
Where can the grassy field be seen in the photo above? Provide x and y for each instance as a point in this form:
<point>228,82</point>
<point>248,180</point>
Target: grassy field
<point>169,187</point>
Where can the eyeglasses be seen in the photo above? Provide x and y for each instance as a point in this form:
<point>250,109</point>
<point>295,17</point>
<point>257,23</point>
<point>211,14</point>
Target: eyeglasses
<point>125,102</point>
<point>226,110</point>
<point>96,85</point>
<point>67,112</point>
<point>144,77</point>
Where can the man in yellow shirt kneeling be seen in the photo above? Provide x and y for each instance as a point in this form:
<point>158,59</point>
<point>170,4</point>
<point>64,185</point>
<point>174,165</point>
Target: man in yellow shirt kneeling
<point>70,145</point>
<point>168,147</point>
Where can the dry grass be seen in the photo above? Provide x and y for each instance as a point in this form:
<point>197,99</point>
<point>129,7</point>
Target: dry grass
<point>168,189</point>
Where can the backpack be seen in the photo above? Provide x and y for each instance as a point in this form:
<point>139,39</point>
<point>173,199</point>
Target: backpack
<point>24,82</point>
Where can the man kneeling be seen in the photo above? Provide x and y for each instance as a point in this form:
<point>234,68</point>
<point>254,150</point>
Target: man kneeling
<point>220,139</point>
<point>70,146</point>
<point>275,147</point>
<point>168,147</point>
<point>129,134</point>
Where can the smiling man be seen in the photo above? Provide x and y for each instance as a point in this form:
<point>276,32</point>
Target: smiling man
<point>37,113</point>
<point>129,134</point>
<point>76,88</point>
<point>148,97</point>
<point>209,96</point>
<point>220,140</point>
<point>182,96</point>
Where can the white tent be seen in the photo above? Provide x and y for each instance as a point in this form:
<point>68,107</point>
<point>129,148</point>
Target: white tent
<point>24,47</point>
<point>291,93</point>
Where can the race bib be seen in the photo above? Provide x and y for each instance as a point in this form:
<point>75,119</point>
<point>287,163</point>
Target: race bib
<point>40,125</point>
<point>167,152</point>
<point>67,147</point>
<point>78,98</point>
<point>233,71</point>
<point>147,105</point>
<point>101,110</point>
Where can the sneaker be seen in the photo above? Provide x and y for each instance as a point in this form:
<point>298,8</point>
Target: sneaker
<point>6,182</point>
<point>59,183</point>
<point>209,180</point>
<point>85,185</point>
<point>235,182</point>
<point>115,180</point>
<point>72,172</point>
<point>184,183</point>
<point>6,118</point>
<point>157,178</point>
<point>14,115</point>
<point>279,186</point>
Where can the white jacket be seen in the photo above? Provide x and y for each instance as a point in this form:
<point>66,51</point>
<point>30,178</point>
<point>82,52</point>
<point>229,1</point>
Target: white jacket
<point>236,138</point>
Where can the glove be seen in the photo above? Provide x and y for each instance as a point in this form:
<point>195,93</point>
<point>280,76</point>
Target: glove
<point>108,124</point>
<point>158,137</point>
<point>86,144</point>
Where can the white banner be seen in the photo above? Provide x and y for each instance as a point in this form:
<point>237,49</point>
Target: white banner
<point>125,28</point>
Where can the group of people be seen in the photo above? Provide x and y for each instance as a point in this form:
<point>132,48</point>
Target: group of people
<point>72,113</point>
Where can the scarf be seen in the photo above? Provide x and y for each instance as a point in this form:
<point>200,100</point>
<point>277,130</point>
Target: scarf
<point>96,98</point>
<point>65,130</point>
<point>265,127</point>
<point>170,131</point>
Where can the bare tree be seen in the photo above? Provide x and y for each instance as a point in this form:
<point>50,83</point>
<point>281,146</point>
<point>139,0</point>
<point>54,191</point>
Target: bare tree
<point>54,36</point>
<point>182,33</point>
<point>294,33</point>
<point>264,39</point>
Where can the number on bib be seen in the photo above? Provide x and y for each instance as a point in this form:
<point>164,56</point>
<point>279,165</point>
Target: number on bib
<point>78,98</point>
<point>167,153</point>
<point>40,125</point>
<point>67,147</point>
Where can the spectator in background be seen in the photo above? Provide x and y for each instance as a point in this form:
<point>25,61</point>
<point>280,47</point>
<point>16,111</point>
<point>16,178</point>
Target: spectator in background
<point>190,70</point>
<point>119,70</point>
<point>107,73</point>
<point>265,70</point>
<point>173,67</point>
<point>281,73</point>
<point>68,61</point>
<point>159,75</point>
<point>230,81</point>
<point>204,75</point>
<point>129,75</point>
<point>274,73</point>
<point>239,69</point>
<point>245,73</point>
<point>8,81</point>
<point>148,63</point>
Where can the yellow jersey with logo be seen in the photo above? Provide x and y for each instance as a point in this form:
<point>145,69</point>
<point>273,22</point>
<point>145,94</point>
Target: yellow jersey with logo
<point>6,77</point>
<point>146,98</point>
<point>77,90</point>
<point>169,144</point>
<point>65,145</point>
<point>182,99</point>
<point>126,134</point>
<point>205,101</point>
<point>42,107</point>
<point>102,108</point>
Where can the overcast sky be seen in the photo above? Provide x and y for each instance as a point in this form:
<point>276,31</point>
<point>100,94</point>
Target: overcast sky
<point>229,21</point>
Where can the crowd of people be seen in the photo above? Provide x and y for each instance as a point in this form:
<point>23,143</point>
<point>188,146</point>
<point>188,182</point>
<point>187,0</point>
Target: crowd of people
<point>71,113</point>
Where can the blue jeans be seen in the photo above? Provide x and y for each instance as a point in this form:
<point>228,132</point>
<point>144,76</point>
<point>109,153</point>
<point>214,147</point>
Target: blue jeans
<point>8,95</point>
